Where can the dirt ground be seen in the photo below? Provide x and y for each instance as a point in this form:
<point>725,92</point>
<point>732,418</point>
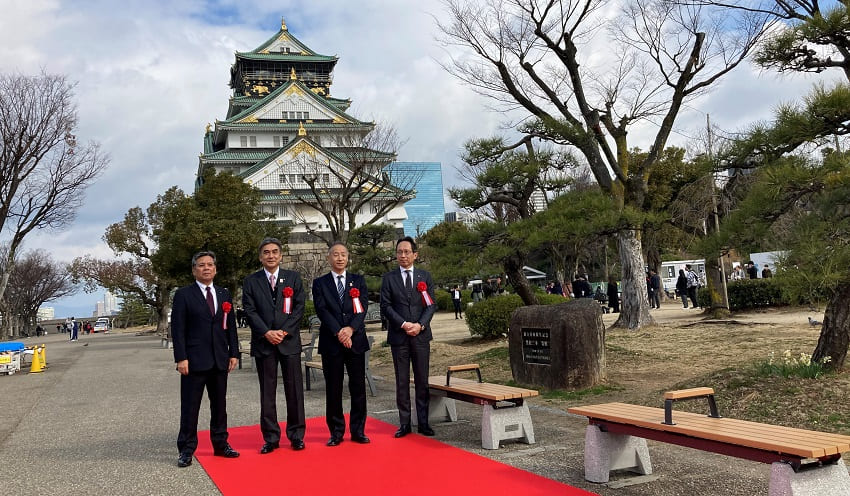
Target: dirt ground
<point>682,346</point>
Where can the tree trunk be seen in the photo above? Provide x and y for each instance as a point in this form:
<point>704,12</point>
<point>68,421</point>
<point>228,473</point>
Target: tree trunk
<point>717,289</point>
<point>835,333</point>
<point>163,308</point>
<point>634,304</point>
<point>513,269</point>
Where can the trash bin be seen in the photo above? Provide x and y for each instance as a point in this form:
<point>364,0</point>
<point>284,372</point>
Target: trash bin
<point>10,357</point>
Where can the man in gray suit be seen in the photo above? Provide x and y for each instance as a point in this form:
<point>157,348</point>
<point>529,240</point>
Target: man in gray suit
<point>407,304</point>
<point>273,299</point>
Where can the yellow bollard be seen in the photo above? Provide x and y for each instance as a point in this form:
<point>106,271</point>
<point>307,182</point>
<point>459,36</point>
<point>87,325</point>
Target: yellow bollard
<point>43,352</point>
<point>36,366</point>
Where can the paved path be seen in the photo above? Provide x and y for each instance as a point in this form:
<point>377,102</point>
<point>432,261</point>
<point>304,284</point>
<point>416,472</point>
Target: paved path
<point>103,420</point>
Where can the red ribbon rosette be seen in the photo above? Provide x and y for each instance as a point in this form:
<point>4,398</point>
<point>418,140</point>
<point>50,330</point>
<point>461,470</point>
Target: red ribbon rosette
<point>226,306</point>
<point>287,299</point>
<point>426,298</point>
<point>355,300</point>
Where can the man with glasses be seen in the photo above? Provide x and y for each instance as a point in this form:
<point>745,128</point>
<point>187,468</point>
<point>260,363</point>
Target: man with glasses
<point>407,304</point>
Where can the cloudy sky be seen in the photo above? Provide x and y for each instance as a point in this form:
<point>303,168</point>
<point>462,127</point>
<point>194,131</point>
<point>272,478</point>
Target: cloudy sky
<point>151,74</point>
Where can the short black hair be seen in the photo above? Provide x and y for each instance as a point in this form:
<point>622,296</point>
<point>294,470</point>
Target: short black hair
<point>269,241</point>
<point>409,240</point>
<point>205,253</point>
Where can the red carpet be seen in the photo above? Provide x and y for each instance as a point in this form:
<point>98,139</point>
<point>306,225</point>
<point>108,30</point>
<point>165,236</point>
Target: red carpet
<point>415,465</point>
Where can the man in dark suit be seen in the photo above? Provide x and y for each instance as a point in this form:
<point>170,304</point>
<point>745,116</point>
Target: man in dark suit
<point>407,304</point>
<point>206,350</point>
<point>273,299</point>
<point>341,300</point>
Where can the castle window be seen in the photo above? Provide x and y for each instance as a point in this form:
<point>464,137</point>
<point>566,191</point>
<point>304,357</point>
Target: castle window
<point>253,141</point>
<point>243,141</point>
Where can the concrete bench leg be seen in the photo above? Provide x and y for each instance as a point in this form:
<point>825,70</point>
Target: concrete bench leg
<point>604,452</point>
<point>828,480</point>
<point>440,409</point>
<point>505,423</point>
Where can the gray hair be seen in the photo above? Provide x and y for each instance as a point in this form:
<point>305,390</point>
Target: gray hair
<point>337,243</point>
<point>200,254</point>
<point>269,241</point>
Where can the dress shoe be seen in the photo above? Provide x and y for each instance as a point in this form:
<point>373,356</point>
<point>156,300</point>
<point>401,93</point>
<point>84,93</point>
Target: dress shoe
<point>227,452</point>
<point>426,430</point>
<point>403,430</point>
<point>184,460</point>
<point>334,441</point>
<point>297,445</point>
<point>269,447</point>
<point>360,439</point>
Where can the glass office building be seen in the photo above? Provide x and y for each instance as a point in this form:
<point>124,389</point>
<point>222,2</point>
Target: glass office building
<point>426,210</point>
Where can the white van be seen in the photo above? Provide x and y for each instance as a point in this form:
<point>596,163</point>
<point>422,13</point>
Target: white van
<point>101,325</point>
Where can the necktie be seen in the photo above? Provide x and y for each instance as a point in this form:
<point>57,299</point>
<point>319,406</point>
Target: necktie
<point>210,302</point>
<point>408,283</point>
<point>339,287</point>
<point>271,281</point>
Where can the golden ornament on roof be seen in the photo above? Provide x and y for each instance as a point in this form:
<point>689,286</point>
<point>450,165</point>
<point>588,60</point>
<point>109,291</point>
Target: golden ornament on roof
<point>292,75</point>
<point>301,130</point>
<point>283,24</point>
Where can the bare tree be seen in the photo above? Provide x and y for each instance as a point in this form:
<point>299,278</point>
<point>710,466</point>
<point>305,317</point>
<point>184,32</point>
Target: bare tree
<point>43,170</point>
<point>34,280</point>
<point>358,194</point>
<point>548,58</point>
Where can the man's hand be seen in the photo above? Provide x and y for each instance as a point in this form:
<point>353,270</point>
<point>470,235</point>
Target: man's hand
<point>344,336</point>
<point>183,367</point>
<point>275,336</point>
<point>414,330</point>
<point>232,364</point>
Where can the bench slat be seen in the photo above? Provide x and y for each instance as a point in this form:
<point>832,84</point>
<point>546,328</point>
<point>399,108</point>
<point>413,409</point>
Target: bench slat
<point>788,440</point>
<point>486,390</point>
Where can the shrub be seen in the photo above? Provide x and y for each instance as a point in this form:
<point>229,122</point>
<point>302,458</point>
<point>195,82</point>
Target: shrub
<point>492,317</point>
<point>749,293</point>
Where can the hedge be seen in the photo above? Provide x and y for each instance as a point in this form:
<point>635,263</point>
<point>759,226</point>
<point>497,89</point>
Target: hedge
<point>749,293</point>
<point>492,317</point>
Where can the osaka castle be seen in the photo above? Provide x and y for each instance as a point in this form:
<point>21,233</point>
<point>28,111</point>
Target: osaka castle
<point>320,170</point>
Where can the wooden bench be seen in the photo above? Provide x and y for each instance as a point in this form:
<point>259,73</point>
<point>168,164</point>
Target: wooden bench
<point>803,461</point>
<point>505,415</point>
<point>310,365</point>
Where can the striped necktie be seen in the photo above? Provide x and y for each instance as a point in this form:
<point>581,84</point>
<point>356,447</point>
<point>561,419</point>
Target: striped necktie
<point>339,287</point>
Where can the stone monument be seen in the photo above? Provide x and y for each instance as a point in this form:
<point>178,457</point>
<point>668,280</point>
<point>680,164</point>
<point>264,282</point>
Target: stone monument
<point>558,346</point>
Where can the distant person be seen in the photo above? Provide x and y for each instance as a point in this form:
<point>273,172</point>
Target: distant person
<point>682,288</point>
<point>737,273</point>
<point>655,286</point>
<point>752,272</point>
<point>693,285</point>
<point>766,272</point>
<point>456,300</point>
<point>206,350</point>
<point>477,293</point>
<point>613,295</point>
<point>75,329</point>
<point>581,288</point>
<point>557,289</point>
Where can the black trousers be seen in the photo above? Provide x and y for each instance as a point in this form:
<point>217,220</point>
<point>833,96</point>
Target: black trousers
<point>692,294</point>
<point>333,368</point>
<point>293,389</point>
<point>458,311</point>
<point>192,388</point>
<point>418,354</point>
